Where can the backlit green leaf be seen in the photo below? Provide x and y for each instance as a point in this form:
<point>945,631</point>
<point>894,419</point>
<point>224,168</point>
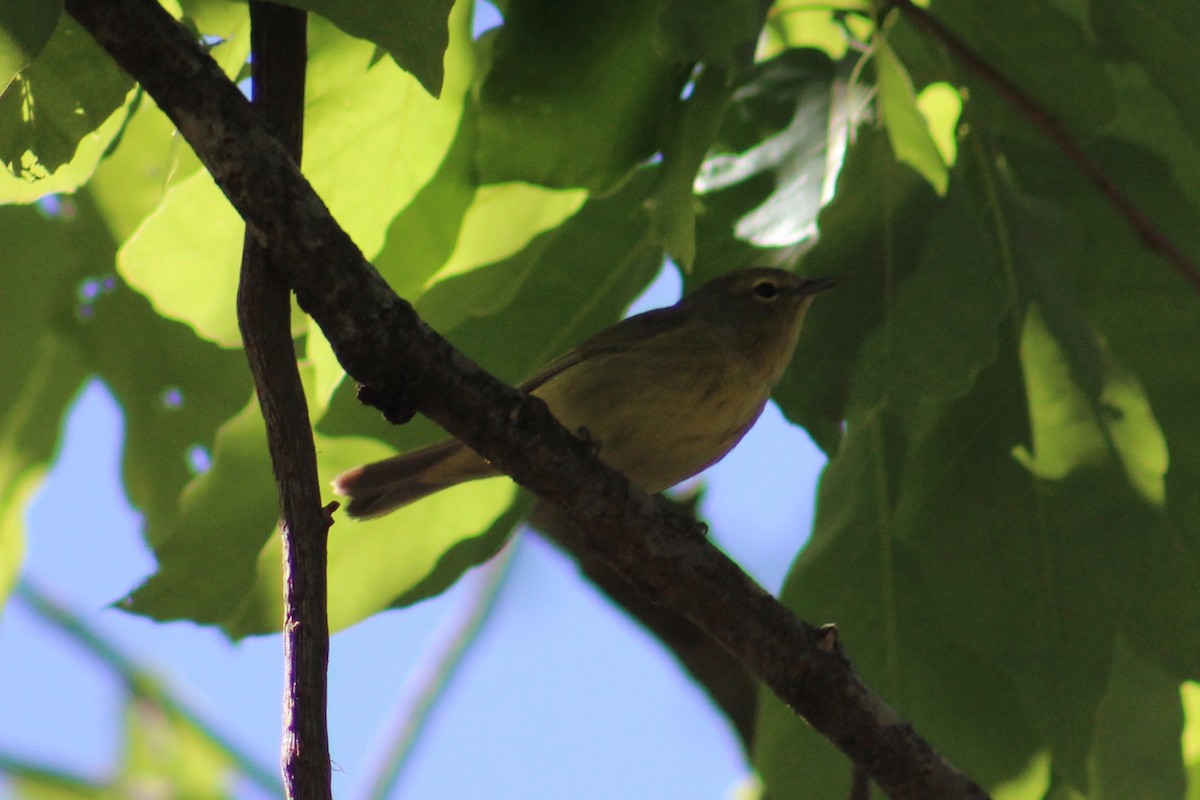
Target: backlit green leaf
<point>413,33</point>
<point>58,103</point>
<point>907,128</point>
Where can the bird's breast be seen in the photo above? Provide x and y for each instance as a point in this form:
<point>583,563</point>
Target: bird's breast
<point>659,420</point>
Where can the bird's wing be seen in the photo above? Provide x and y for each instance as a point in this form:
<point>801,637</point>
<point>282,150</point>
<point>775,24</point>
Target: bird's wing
<point>610,340</point>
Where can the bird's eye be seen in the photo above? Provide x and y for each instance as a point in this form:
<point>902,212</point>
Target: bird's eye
<point>766,290</point>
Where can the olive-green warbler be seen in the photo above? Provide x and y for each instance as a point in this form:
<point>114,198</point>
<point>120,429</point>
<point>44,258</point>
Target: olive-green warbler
<point>664,394</point>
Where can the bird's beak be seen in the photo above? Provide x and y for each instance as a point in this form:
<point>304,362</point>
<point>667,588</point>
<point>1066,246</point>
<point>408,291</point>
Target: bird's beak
<point>814,285</point>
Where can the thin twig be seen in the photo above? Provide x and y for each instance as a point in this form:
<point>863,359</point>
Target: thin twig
<point>428,680</point>
<point>140,680</point>
<point>1147,231</point>
<point>264,307</point>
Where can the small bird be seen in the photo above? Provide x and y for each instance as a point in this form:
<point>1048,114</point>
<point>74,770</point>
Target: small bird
<point>664,394</point>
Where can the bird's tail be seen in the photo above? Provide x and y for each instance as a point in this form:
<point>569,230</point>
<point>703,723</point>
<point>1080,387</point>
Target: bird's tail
<point>375,489</point>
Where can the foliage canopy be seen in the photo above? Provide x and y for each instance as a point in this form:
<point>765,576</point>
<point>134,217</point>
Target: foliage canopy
<point>1008,530</point>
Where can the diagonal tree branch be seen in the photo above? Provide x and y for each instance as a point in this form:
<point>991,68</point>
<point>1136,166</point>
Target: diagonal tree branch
<point>383,344</point>
<point>264,308</point>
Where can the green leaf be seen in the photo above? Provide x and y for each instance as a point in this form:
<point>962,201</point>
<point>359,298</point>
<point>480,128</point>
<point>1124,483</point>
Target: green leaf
<point>71,317</point>
<point>206,558</point>
<point>422,236</point>
<point>941,105</point>
<point>1071,430</point>
<point>859,573</point>
<point>809,24</point>
<point>673,206</point>
<point>468,552</point>
<point>353,97</point>
<point>1019,39</point>
<point>985,344</point>
<point>611,258</point>
<point>774,162</point>
<point>326,369</point>
<point>909,363</point>
<point>59,102</point>
<point>907,128</point>
<point>1190,694</point>
<point>1146,313</point>
<point>223,30</point>
<point>130,181</point>
<point>348,97</point>
<point>150,157</point>
<point>414,32</point>
<point>1097,407</point>
<point>1136,749</point>
<point>409,555</point>
<point>545,309</point>
<point>43,369</point>
<point>1032,590</point>
<point>483,272</point>
<point>25,27</point>
<point>874,195</point>
<point>574,95</point>
<point>1148,119</point>
<point>1033,783</point>
<point>43,378</point>
<point>189,270</point>
<point>153,190</point>
<point>174,389</point>
<point>173,409</point>
<point>488,234</point>
<point>711,31</point>
<point>1160,36</point>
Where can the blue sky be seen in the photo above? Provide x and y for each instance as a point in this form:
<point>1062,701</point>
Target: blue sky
<point>560,696</point>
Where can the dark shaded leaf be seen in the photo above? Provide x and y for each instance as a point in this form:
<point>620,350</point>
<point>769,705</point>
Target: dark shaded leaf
<point>574,95</point>
<point>25,27</point>
<point>712,31</point>
<point>1159,35</point>
<point>1041,49</point>
<point>875,195</point>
